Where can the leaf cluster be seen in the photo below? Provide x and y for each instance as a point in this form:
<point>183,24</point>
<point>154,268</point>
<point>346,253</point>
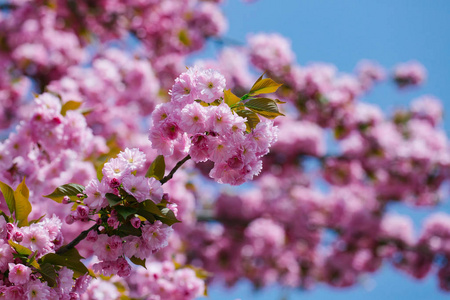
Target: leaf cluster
<point>252,105</point>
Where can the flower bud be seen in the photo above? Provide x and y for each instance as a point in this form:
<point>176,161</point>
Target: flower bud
<point>113,222</point>
<point>18,236</point>
<point>82,212</point>
<point>69,219</point>
<point>114,183</point>
<point>166,197</point>
<point>92,236</point>
<point>74,296</point>
<point>135,222</point>
<point>66,200</point>
<point>80,195</point>
<point>9,227</point>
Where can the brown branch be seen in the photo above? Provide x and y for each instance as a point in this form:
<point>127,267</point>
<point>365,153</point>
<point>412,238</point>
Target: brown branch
<point>78,239</point>
<point>177,166</point>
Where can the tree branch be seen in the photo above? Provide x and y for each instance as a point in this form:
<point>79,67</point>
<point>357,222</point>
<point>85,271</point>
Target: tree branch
<point>78,239</point>
<point>177,166</point>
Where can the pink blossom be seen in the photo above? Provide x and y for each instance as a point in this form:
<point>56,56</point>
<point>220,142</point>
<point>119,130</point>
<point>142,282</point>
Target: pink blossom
<point>18,273</point>
<point>136,186</point>
<point>184,90</point>
<point>134,157</point>
<point>108,247</point>
<point>116,168</point>
<point>36,238</point>
<point>37,290</point>
<point>193,118</point>
<point>154,190</point>
<point>95,192</point>
<point>409,74</point>
<point>270,51</point>
<point>220,119</point>
<point>210,84</point>
<point>155,235</point>
<point>6,255</point>
<point>428,108</point>
<point>14,293</point>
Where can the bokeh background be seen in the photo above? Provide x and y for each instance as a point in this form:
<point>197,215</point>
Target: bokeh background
<point>343,33</point>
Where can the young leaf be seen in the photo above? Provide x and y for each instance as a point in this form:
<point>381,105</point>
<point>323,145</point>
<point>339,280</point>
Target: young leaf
<point>137,261</point>
<point>264,86</point>
<point>20,249</point>
<point>264,107</point>
<point>230,98</point>
<point>252,118</point>
<point>278,101</point>
<point>70,105</point>
<point>70,189</point>
<point>70,259</point>
<point>157,168</point>
<point>113,199</point>
<point>48,273</point>
<point>37,220</point>
<point>23,206</point>
<point>8,194</point>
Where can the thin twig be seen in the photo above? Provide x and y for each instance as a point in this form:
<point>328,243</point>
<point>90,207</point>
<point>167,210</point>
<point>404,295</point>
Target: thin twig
<point>177,166</point>
<point>78,239</point>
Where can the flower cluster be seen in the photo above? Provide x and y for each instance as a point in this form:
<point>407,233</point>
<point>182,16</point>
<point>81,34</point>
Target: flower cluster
<point>200,123</point>
<point>130,210</point>
<point>162,280</point>
<point>410,73</point>
<point>24,268</point>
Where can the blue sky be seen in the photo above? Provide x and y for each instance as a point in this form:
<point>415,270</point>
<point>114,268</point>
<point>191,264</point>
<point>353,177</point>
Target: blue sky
<point>344,32</point>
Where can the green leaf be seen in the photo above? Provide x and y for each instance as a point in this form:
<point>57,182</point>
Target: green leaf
<point>113,199</point>
<point>157,168</point>
<point>37,220</point>
<point>264,106</point>
<point>339,132</point>
<point>71,190</point>
<point>230,98</point>
<point>137,261</point>
<point>20,249</point>
<point>147,215</point>
<point>128,229</point>
<point>86,112</point>
<point>8,194</point>
<point>169,217</point>
<point>48,273</point>
<point>199,272</point>
<point>7,218</point>
<point>264,86</point>
<point>70,259</point>
<point>23,206</point>
<point>252,118</point>
<point>183,36</point>
<point>149,210</point>
<point>125,211</point>
<point>151,206</point>
<point>70,105</point>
